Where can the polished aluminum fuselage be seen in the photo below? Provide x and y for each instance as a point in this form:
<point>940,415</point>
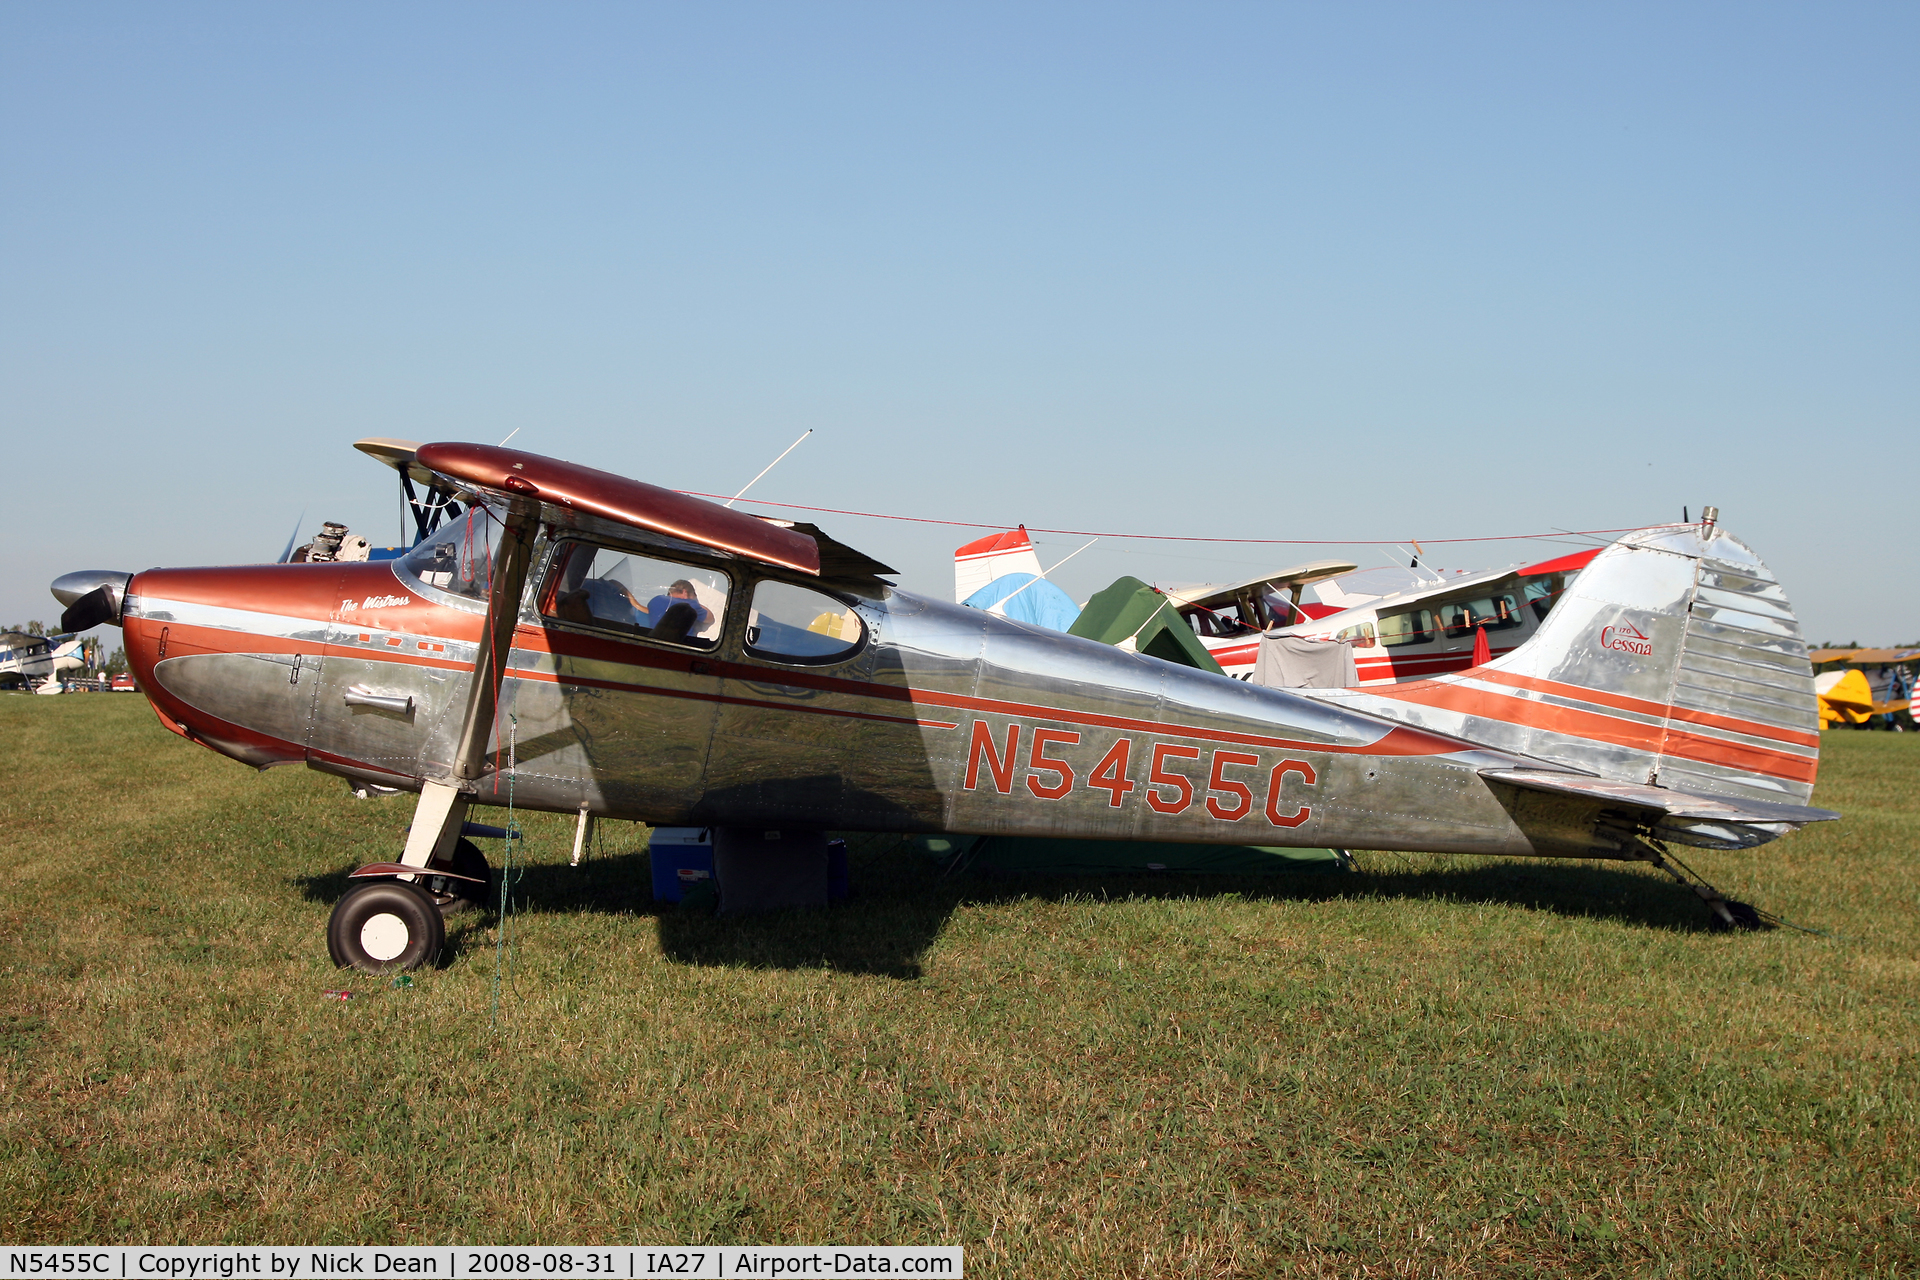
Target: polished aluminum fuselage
<point>945,719</point>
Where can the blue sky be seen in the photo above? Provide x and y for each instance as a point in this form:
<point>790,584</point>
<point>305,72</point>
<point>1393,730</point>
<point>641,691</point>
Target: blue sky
<point>1239,271</point>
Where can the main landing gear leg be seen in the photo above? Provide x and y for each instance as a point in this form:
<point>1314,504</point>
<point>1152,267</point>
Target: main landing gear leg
<point>377,927</point>
<point>1724,914</point>
<point>387,925</point>
<point>437,820</point>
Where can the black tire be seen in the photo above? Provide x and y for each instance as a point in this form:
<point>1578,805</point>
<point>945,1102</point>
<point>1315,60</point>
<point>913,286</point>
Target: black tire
<point>1744,918</point>
<point>385,926</point>
<point>457,895</point>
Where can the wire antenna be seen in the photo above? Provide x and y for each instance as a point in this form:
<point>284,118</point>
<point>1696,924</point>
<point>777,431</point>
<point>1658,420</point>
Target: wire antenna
<point>770,466</point>
<point>1000,606</point>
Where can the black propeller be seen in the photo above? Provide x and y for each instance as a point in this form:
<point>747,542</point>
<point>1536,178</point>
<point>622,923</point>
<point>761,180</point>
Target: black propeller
<point>102,604</point>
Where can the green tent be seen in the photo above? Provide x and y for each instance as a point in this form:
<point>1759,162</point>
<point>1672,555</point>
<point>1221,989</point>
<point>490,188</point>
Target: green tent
<point>1034,855</point>
<point>1131,610</point>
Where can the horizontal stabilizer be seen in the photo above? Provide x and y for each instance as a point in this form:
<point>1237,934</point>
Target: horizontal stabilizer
<point>1682,816</point>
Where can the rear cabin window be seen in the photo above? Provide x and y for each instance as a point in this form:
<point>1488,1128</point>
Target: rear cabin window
<point>1495,613</point>
<point>613,590</point>
<point>795,624</point>
<point>1412,627</point>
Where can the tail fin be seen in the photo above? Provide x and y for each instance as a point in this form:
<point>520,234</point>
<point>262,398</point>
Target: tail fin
<point>991,557</point>
<point>1673,659</point>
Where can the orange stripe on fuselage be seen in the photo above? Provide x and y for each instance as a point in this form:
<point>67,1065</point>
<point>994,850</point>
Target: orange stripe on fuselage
<point>1599,727</point>
<point>1621,702</point>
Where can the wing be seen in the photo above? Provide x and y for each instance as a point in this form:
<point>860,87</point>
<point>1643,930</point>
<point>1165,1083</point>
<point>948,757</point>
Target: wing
<point>512,475</point>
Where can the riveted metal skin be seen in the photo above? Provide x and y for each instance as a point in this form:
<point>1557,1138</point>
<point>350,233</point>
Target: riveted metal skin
<point>1673,659</point>
<point>1674,656</point>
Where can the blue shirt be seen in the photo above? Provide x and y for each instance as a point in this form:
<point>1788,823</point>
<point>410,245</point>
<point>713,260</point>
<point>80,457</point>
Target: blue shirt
<point>658,606</point>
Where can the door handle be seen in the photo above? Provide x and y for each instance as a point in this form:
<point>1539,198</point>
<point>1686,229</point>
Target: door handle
<point>359,697</point>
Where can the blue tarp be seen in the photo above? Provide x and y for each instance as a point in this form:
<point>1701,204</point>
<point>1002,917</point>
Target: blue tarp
<point>1042,604</point>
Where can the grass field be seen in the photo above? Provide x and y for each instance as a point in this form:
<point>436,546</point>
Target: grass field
<point>1434,1066</point>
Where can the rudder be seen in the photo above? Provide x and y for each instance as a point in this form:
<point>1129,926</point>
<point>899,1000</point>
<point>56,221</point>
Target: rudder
<point>1673,659</point>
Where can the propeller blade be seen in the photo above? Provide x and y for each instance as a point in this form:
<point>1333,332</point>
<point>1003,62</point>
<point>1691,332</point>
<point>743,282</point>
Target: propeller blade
<point>90,610</point>
<point>292,538</point>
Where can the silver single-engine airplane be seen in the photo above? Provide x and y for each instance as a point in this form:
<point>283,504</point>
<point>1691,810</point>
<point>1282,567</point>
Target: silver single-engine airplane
<point>625,651</point>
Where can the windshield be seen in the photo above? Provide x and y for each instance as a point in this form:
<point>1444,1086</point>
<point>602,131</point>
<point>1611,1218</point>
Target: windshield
<point>459,558</point>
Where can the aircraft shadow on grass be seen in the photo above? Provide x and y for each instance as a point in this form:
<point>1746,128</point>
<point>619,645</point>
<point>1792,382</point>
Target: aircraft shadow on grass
<point>901,902</point>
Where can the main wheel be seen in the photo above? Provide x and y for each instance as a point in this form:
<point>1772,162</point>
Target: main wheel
<point>385,926</point>
<point>457,895</point>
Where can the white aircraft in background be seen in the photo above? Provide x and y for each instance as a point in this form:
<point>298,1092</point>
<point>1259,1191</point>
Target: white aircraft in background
<point>1404,624</point>
<point>27,659</point>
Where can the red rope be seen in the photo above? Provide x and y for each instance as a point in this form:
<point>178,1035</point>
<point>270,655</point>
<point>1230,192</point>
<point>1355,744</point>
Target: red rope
<point>1167,537</point>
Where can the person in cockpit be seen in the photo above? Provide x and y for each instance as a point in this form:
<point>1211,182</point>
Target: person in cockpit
<point>678,613</point>
<point>596,600</point>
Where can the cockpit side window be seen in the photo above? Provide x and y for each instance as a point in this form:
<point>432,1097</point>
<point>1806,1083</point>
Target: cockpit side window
<point>796,624</point>
<point>635,595</point>
<point>1495,613</point>
<point>1413,627</point>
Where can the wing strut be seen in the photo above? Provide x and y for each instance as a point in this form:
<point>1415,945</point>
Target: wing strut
<point>442,810</point>
<point>490,664</point>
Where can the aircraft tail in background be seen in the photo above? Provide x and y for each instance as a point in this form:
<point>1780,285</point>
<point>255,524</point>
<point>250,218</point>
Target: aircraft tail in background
<point>994,556</point>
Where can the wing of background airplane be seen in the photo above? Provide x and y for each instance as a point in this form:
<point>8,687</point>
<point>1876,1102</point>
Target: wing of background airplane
<point>1210,595</point>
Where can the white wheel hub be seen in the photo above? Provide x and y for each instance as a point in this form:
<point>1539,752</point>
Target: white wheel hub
<point>383,936</point>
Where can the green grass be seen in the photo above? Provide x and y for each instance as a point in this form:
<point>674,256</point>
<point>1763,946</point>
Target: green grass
<point>1436,1066</point>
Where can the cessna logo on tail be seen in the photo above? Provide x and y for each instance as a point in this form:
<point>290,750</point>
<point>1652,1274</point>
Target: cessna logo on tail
<point>1627,638</point>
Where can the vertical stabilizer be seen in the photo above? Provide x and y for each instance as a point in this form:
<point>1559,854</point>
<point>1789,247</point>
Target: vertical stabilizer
<point>994,556</point>
<point>1673,659</point>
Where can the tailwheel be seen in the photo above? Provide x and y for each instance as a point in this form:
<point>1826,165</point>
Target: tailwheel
<point>385,926</point>
<point>1723,914</point>
<point>469,885</point>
